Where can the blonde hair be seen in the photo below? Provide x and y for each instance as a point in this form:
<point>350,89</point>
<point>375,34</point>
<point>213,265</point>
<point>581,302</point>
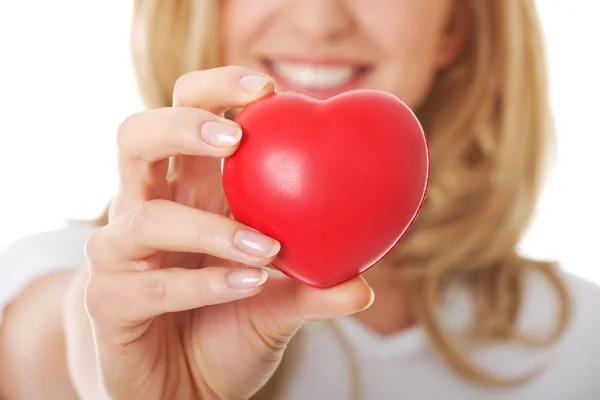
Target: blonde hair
<point>489,130</point>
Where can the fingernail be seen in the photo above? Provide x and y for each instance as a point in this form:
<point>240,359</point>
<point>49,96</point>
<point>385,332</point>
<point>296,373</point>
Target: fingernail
<point>255,243</point>
<point>371,300</point>
<point>220,135</point>
<point>254,84</point>
<point>247,279</point>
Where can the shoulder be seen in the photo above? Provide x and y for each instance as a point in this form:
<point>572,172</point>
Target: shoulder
<point>582,288</point>
<point>584,315</point>
<point>64,245</point>
<point>575,357</point>
<point>575,354</point>
<point>35,255</point>
<point>544,297</point>
<point>543,301</point>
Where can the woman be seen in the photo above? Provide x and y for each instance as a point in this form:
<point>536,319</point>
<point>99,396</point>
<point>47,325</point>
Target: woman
<point>175,303</point>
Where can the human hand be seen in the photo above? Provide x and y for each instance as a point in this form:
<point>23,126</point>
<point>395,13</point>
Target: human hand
<point>179,303</point>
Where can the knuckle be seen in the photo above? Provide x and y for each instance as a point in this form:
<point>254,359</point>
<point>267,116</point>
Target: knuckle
<point>194,119</point>
<point>199,286</point>
<point>102,298</point>
<point>95,245</point>
<point>199,117</point>
<point>93,298</point>
<point>142,217</point>
<point>125,128</point>
<point>182,82</point>
<point>270,340</point>
<point>154,288</point>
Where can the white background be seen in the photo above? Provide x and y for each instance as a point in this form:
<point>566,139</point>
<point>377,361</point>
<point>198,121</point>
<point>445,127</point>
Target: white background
<point>65,85</point>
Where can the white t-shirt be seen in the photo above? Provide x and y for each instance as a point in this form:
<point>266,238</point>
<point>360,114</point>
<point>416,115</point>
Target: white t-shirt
<point>400,366</point>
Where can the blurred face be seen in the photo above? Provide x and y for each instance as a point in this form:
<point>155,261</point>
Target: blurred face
<point>325,47</point>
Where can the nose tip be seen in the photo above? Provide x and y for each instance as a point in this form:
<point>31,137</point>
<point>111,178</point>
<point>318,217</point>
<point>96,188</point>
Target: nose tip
<point>321,19</point>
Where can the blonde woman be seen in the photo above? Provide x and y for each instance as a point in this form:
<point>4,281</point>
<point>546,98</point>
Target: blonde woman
<point>174,303</point>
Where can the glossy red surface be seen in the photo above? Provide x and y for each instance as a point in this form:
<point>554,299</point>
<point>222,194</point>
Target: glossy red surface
<point>338,182</point>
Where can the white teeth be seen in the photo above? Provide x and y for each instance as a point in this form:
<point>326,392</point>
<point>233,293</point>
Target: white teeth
<point>321,77</point>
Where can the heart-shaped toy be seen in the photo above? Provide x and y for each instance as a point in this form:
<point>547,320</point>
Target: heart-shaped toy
<point>337,182</point>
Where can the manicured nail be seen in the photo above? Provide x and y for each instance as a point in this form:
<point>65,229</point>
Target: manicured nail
<point>220,135</point>
<point>371,300</point>
<point>247,278</point>
<point>254,84</point>
<point>255,243</point>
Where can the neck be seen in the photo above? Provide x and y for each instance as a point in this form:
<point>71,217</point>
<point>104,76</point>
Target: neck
<point>390,312</point>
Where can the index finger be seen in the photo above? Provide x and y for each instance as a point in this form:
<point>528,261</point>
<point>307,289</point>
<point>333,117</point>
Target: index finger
<point>220,89</point>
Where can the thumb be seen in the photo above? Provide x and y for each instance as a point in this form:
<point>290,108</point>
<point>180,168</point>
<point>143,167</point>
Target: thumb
<point>345,299</point>
<point>291,304</point>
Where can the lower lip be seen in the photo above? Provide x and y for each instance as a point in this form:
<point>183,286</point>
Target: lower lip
<point>284,85</point>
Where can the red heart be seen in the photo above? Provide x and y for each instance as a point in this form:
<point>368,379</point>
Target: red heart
<point>338,182</point>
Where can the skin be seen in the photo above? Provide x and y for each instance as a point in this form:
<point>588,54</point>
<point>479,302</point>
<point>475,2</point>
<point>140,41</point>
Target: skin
<point>404,42</point>
<point>158,304</point>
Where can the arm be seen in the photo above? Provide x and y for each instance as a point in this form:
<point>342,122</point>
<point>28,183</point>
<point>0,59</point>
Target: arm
<point>32,347</point>
<point>80,348</point>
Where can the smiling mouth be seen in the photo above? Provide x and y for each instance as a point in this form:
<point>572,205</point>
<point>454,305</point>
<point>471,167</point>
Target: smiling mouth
<point>323,75</point>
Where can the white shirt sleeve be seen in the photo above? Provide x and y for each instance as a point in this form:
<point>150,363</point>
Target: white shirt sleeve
<point>35,255</point>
